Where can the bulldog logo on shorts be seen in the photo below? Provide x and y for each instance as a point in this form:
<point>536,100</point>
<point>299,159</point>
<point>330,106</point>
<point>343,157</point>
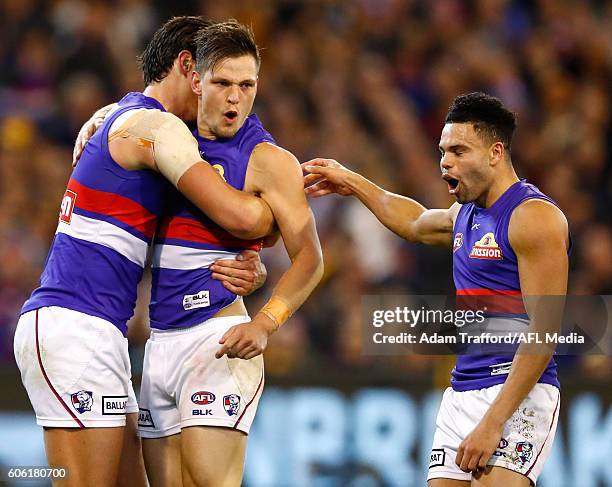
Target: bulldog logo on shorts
<point>82,401</point>
<point>524,450</point>
<point>231,403</point>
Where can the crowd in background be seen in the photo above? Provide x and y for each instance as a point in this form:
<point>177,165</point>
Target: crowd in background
<point>366,82</point>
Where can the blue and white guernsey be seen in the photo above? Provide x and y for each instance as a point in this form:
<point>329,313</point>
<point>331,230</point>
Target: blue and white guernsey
<point>107,220</point>
<point>187,242</point>
<point>485,265</point>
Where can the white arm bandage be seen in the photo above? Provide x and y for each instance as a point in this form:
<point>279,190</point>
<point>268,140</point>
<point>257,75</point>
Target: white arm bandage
<point>174,148</point>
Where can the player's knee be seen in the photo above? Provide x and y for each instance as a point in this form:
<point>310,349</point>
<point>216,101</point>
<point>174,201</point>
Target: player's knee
<point>208,476</point>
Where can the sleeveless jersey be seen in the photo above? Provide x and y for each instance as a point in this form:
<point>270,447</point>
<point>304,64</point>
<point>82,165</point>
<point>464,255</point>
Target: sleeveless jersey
<point>484,264</point>
<point>187,242</point>
<point>107,220</point>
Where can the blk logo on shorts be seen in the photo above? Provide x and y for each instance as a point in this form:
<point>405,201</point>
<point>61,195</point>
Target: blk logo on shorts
<point>82,401</point>
<point>231,404</point>
<point>202,412</point>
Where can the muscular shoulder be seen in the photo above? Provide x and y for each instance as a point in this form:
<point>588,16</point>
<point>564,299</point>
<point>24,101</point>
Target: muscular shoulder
<point>270,165</point>
<point>536,223</point>
<point>453,211</point>
<point>269,156</point>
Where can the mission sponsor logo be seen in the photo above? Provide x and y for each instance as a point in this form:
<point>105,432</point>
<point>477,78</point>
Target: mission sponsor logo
<point>114,405</point>
<point>486,248</point>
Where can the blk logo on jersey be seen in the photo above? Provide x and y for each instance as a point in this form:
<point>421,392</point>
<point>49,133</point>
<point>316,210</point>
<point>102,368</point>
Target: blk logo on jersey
<point>458,242</point>
<point>198,300</point>
<point>82,401</point>
<point>202,398</point>
<point>67,206</point>
<point>486,248</point>
<point>231,404</point>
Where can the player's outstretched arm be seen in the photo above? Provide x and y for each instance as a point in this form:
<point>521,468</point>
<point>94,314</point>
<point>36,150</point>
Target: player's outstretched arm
<point>538,234</point>
<point>160,141</point>
<point>403,216</point>
<point>276,175</point>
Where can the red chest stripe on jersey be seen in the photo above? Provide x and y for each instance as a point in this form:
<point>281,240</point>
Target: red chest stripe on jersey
<point>476,291</point>
<point>181,228</point>
<point>491,300</point>
<point>115,206</point>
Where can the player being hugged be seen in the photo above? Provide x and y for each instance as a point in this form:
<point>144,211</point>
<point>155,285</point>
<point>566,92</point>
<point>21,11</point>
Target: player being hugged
<point>203,371</point>
<point>497,422</point>
<point>70,343</point>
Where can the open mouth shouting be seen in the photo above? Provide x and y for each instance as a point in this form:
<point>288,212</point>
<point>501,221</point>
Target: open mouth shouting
<point>230,116</point>
<point>452,183</point>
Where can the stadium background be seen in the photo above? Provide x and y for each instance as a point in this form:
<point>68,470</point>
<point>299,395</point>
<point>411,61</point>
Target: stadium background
<point>366,82</point>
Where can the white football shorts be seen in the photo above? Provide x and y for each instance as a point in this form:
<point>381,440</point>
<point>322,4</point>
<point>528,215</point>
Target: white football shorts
<point>183,384</point>
<point>526,439</point>
<point>75,368</point>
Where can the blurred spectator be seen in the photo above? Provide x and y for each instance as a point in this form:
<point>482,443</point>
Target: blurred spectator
<point>366,82</point>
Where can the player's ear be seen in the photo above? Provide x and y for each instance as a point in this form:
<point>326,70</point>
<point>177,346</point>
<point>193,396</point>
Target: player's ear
<point>196,83</point>
<point>497,153</point>
<point>185,62</point>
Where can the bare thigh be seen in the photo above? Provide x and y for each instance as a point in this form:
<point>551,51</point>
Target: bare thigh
<point>131,467</point>
<point>163,460</point>
<point>495,476</point>
<point>447,483</point>
<point>91,455</point>
<point>219,465</point>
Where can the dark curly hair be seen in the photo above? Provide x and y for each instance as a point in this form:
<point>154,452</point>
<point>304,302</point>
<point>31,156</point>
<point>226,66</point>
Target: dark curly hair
<point>486,113</point>
<point>176,35</point>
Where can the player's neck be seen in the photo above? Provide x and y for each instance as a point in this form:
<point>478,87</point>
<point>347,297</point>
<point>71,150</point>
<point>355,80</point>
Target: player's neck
<point>500,185</point>
<point>204,130</point>
<point>164,93</point>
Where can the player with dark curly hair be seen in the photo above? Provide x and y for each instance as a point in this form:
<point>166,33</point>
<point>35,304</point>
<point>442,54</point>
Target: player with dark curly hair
<point>497,422</point>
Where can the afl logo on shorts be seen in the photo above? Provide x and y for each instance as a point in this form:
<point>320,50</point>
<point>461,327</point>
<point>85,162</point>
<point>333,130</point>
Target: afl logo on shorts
<point>203,398</point>
<point>231,404</point>
<point>82,401</point>
<point>68,201</point>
